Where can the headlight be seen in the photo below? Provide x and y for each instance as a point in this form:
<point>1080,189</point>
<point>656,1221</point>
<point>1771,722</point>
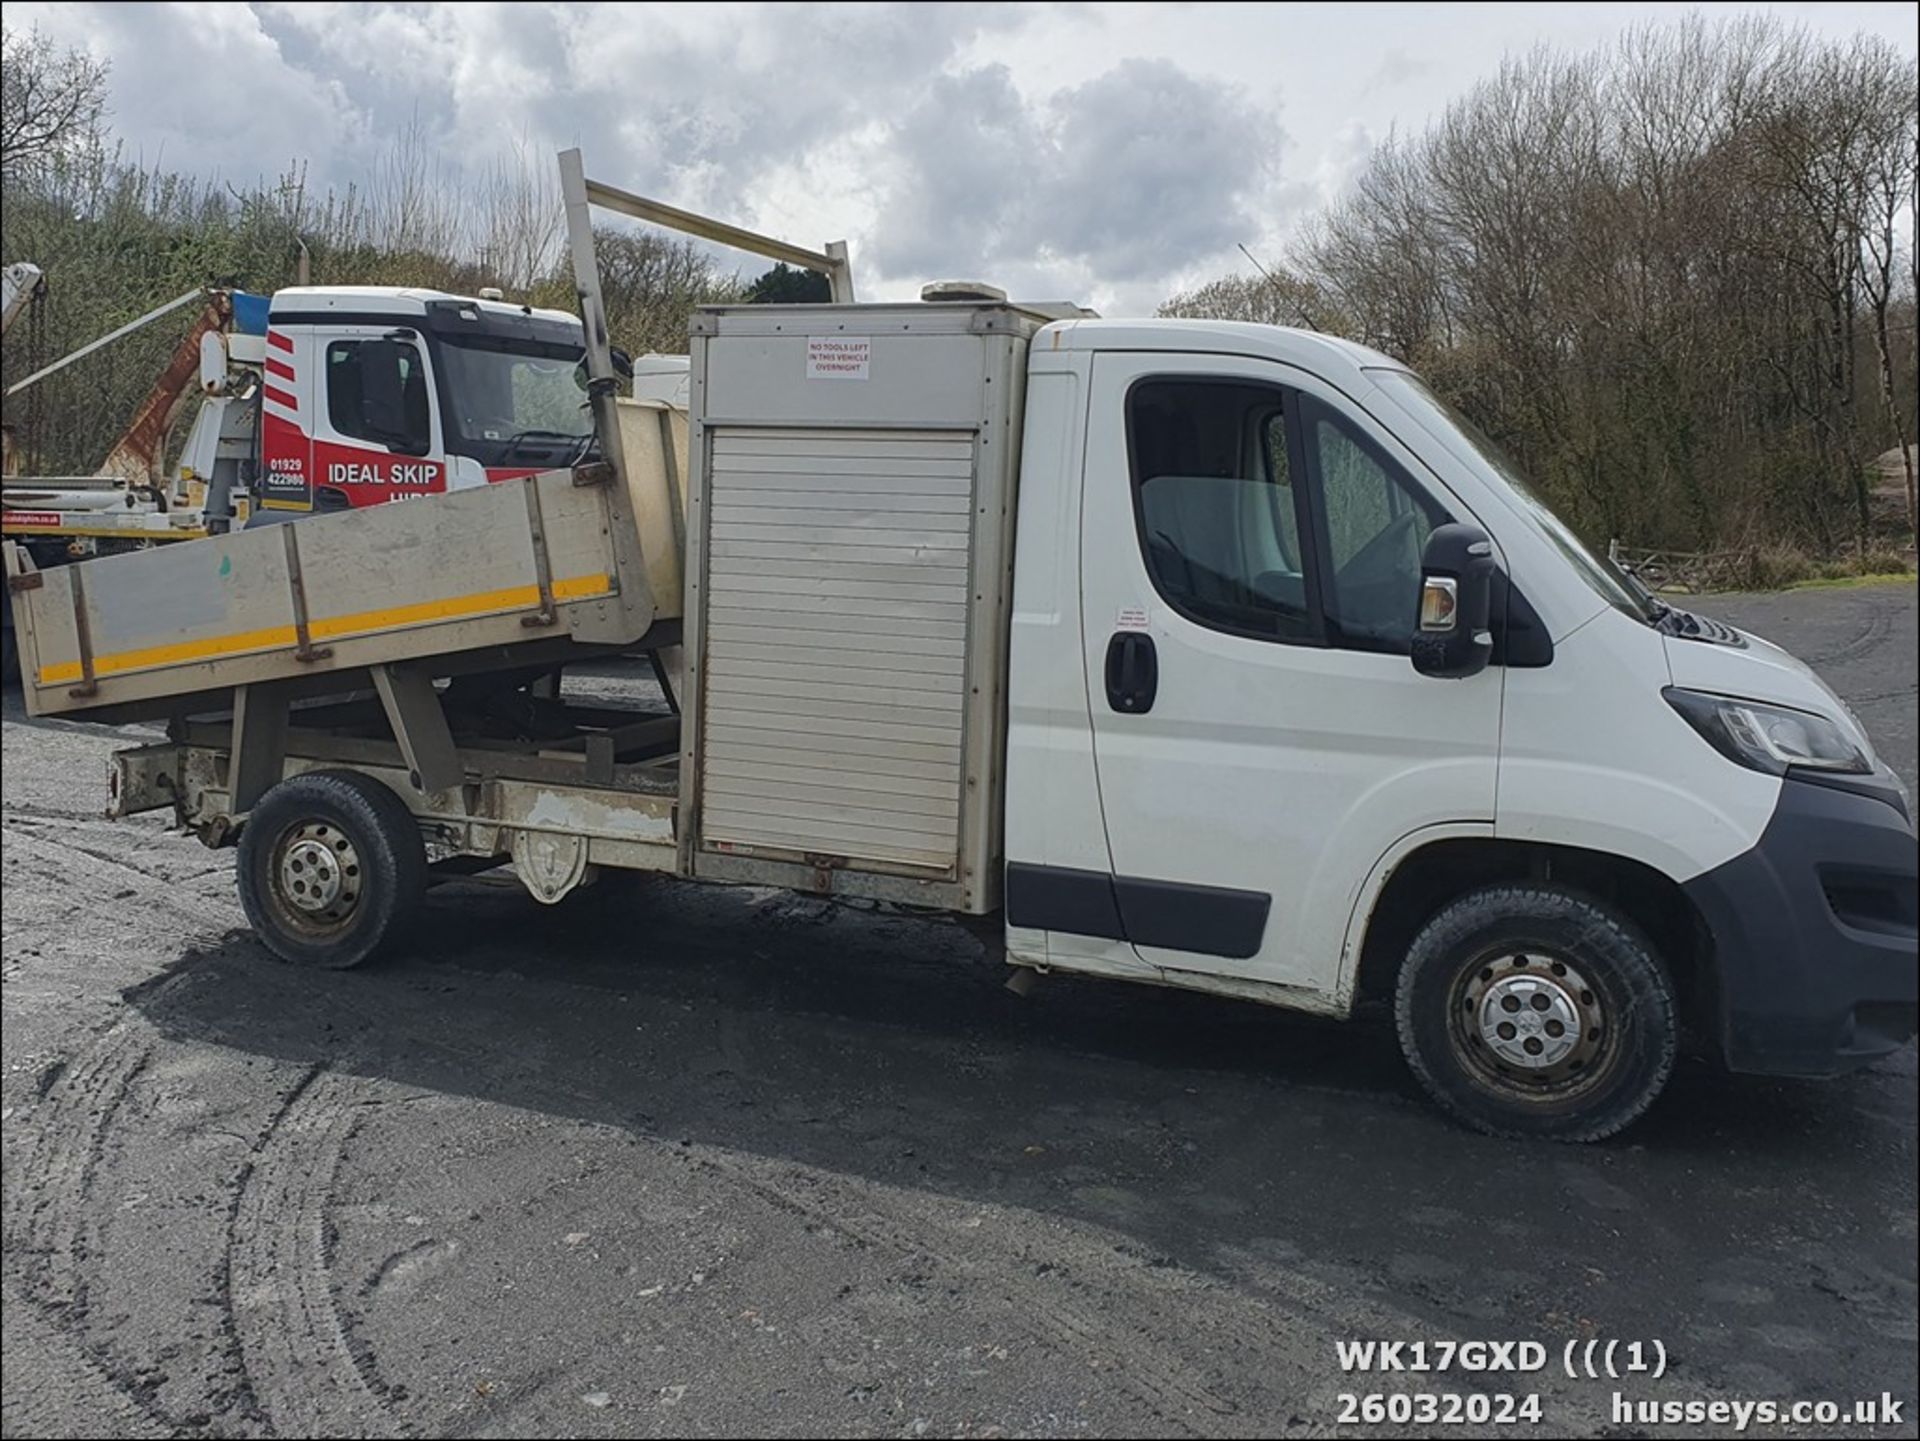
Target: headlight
<point>1769,738</point>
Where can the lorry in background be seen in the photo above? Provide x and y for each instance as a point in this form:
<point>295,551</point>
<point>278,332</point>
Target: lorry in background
<point>130,499</point>
<point>485,390</point>
<point>1199,654</point>
<point>294,419</point>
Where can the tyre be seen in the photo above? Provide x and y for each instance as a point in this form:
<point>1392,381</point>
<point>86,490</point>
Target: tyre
<point>1531,1011</point>
<point>331,868</point>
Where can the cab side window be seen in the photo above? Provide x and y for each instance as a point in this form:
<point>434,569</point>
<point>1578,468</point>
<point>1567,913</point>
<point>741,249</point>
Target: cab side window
<point>1218,514</point>
<point>1269,514</point>
<point>350,373</point>
<point>1376,525</point>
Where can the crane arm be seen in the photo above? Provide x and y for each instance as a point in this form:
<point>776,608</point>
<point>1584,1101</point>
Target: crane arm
<point>105,340</point>
<point>139,455</point>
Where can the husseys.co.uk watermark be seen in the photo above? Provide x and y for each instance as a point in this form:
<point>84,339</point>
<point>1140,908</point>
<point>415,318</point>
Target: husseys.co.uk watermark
<point>1578,1360</point>
<point>1881,1410</point>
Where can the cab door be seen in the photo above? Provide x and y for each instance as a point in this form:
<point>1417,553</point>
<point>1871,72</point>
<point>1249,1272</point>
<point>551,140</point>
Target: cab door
<point>377,433</point>
<point>1251,546</point>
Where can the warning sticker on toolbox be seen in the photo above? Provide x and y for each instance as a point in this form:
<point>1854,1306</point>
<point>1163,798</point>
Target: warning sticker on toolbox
<point>838,357</point>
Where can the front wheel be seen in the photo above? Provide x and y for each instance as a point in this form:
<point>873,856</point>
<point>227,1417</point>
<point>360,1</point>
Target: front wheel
<point>1532,1011</point>
<point>331,868</point>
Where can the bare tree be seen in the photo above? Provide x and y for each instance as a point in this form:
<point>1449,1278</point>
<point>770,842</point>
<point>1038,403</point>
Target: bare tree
<point>414,205</point>
<point>651,284</point>
<point>1891,181</point>
<point>1278,297</point>
<point>52,101</point>
<point>1673,276</point>
<point>519,217</point>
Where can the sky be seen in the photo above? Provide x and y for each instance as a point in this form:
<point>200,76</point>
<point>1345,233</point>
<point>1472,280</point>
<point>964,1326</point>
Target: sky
<point>1111,154</point>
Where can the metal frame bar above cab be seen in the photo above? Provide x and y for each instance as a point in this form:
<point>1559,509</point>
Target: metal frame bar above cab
<point>831,261</point>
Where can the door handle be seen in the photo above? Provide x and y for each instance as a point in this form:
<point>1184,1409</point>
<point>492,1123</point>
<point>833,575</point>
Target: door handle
<point>1133,672</point>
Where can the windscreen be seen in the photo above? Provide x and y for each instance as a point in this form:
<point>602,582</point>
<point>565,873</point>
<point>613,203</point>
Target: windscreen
<point>514,402</point>
<point>1614,585</point>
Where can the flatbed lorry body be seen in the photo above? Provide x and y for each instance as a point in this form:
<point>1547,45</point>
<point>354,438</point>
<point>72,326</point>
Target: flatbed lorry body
<point>1199,654</point>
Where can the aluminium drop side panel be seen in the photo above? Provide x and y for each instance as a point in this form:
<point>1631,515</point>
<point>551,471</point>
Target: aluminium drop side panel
<point>653,461</point>
<point>850,578</point>
<point>398,582</point>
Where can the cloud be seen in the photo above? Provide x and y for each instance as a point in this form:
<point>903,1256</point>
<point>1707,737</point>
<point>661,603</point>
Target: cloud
<point>211,92</point>
<point>1395,69</point>
<point>696,103</point>
<point>893,126</point>
<point>963,164</point>
<point>1131,176</point>
<point>1156,167</point>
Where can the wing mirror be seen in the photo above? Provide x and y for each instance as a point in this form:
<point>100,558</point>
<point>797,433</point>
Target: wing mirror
<point>622,367</point>
<point>1452,637</point>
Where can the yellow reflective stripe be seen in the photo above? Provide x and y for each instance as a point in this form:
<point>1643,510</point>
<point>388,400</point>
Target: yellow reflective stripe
<point>102,532</point>
<point>518,597</point>
<point>366,622</point>
<point>170,654</point>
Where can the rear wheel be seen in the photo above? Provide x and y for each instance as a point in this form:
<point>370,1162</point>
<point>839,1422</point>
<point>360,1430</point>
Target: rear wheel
<point>1535,1011</point>
<point>331,868</point>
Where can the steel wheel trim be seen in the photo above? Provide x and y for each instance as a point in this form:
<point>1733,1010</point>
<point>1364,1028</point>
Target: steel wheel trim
<point>1527,1023</point>
<point>316,876</point>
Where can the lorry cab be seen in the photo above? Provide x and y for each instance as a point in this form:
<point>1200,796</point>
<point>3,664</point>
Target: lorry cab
<point>375,393</point>
<point>1313,700</point>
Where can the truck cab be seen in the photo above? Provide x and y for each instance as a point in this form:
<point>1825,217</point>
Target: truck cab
<point>1237,760</point>
<point>374,394</point>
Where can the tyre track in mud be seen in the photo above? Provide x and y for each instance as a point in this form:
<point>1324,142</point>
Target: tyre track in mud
<point>304,1145</point>
<point>61,862</point>
<point>52,1205</point>
<point>1130,1318</point>
<point>289,1367</point>
<point>81,1385</point>
<point>49,1214</point>
<point>1135,1363</point>
<point>1872,633</point>
<point>49,1231</point>
<point>304,1372</point>
<point>1124,1321</point>
<point>285,1362</point>
<point>47,1189</point>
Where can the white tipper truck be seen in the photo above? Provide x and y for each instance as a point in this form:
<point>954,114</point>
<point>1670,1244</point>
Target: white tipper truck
<point>1200,654</point>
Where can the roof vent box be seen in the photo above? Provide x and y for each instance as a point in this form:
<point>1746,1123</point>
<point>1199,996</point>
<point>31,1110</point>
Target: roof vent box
<point>972,290</point>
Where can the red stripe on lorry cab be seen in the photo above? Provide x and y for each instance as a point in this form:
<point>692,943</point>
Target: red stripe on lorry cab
<point>279,341</point>
<point>285,372</point>
<point>280,397</point>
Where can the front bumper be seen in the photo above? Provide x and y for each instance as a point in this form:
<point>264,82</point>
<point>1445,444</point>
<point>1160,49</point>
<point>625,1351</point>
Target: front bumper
<point>1815,933</point>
